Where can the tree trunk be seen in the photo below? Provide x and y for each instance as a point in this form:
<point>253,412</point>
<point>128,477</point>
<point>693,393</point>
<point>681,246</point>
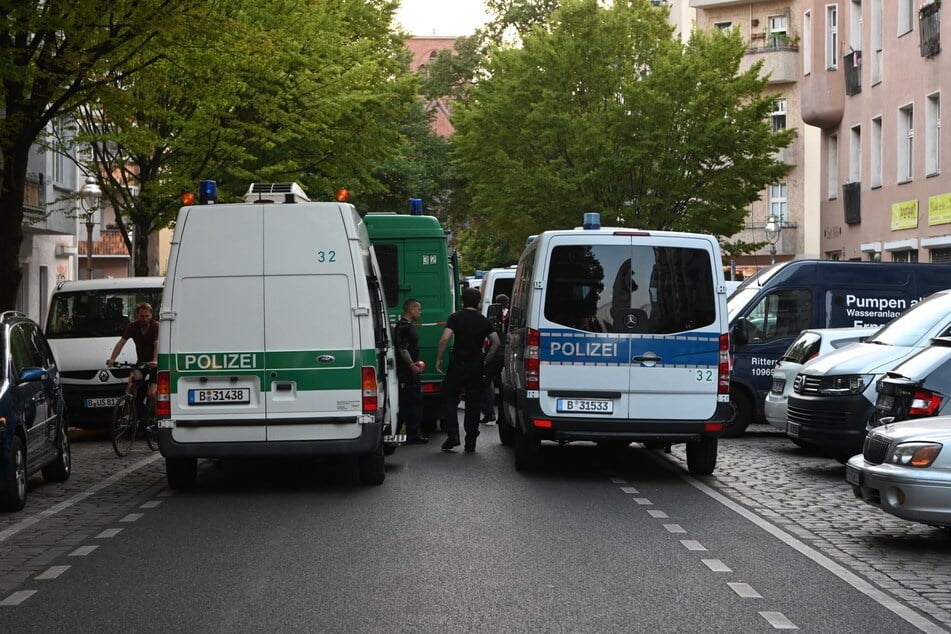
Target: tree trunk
<point>140,257</point>
<point>11,220</point>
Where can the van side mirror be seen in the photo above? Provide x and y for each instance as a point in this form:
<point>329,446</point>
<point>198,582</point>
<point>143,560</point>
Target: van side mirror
<point>739,334</point>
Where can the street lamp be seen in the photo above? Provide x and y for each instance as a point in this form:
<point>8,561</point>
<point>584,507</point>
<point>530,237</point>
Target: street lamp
<point>89,196</point>
<point>773,228</point>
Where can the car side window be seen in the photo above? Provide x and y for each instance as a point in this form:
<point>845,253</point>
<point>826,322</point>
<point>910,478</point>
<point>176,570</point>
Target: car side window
<point>22,350</point>
<point>782,314</point>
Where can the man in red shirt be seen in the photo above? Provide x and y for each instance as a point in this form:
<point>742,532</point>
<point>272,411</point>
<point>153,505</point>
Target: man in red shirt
<point>144,332</point>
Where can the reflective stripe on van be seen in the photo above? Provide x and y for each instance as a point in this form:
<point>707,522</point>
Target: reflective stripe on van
<point>572,347</point>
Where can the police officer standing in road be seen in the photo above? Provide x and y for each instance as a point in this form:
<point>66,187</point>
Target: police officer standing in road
<point>466,367</point>
<point>408,371</point>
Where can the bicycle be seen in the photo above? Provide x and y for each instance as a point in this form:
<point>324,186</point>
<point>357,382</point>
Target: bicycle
<point>134,413</point>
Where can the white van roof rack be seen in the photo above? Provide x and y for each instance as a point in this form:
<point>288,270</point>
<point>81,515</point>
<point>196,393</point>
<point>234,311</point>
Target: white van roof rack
<point>276,193</point>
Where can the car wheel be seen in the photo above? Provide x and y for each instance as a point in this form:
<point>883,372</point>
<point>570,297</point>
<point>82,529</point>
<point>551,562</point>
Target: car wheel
<point>742,415</point>
<point>702,456</point>
<point>13,486</point>
<point>60,468</point>
<point>181,473</point>
<point>372,467</point>
<point>527,451</point>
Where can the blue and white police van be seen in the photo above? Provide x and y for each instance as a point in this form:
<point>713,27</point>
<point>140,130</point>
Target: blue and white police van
<point>615,336</point>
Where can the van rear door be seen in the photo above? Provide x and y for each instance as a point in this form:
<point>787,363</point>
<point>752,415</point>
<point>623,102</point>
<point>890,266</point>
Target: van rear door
<point>312,347</point>
<point>631,328</point>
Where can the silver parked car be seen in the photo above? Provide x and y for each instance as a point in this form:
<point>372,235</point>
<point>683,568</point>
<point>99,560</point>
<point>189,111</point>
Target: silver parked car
<point>811,343</point>
<point>905,469</point>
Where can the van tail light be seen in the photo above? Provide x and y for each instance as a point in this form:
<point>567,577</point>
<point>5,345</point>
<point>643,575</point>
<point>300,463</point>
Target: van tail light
<point>924,403</point>
<point>723,370</point>
<point>532,363</point>
<point>369,389</point>
<point>163,396</point>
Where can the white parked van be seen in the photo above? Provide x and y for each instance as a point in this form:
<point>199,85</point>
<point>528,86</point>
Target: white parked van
<point>496,282</point>
<point>614,336</point>
<point>85,320</point>
<point>274,336</point>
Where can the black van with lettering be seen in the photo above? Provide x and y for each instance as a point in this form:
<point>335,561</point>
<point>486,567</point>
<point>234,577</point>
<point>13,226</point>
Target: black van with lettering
<point>771,308</point>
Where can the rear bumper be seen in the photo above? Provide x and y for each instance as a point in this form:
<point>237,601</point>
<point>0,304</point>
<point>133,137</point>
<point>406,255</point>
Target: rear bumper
<point>369,441</point>
<point>569,428</point>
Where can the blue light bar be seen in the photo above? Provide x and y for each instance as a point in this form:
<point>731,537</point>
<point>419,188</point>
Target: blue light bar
<point>416,206</point>
<point>207,193</point>
<point>592,220</point>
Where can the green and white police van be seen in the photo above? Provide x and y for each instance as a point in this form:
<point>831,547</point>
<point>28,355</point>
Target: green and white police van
<point>274,338</point>
<point>617,335</point>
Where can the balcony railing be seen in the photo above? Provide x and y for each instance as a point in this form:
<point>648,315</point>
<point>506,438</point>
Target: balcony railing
<point>852,201</point>
<point>852,63</point>
<point>929,29</point>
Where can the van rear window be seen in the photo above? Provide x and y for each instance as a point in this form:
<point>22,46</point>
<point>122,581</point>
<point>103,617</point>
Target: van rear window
<point>640,289</point>
<point>102,313</point>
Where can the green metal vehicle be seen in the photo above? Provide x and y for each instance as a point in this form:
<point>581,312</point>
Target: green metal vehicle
<point>415,262</point>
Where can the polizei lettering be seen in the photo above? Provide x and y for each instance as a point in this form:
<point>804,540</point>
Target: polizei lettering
<point>584,349</point>
<point>220,361</point>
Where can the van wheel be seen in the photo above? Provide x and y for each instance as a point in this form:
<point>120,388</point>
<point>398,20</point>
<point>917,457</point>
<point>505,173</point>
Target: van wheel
<point>527,451</point>
<point>181,473</point>
<point>702,456</point>
<point>372,467</point>
<point>742,415</point>
<point>13,484</point>
<point>506,432</point>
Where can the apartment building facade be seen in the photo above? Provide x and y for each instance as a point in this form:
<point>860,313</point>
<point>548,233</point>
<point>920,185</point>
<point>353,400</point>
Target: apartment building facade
<point>874,77</point>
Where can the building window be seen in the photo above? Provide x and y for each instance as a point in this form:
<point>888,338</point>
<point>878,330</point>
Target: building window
<point>778,205</point>
<point>778,31</point>
<point>835,256</point>
<point>906,13</point>
<point>933,134</point>
<point>855,25</point>
<point>807,42</point>
<point>909,255</point>
<point>60,160</point>
<point>855,154</point>
<point>832,37</point>
<point>779,115</point>
<point>906,145</point>
<point>875,166</point>
<point>941,256</point>
<point>723,26</point>
<point>832,178</point>
<point>878,38</point>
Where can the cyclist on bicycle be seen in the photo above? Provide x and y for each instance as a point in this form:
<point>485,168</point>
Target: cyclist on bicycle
<point>144,332</point>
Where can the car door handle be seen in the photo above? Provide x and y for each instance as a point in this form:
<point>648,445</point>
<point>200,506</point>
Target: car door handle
<point>649,359</point>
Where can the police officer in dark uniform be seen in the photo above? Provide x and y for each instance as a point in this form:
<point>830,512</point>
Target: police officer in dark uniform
<point>470,328</point>
<point>408,371</point>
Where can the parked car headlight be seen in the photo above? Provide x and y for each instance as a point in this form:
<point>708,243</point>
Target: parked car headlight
<point>845,384</point>
<point>915,454</point>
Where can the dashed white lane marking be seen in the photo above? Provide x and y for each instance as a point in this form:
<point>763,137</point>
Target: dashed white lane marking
<point>10,531</point>
<point>82,551</point>
<point>164,493</point>
<point>109,532</point>
<point>745,590</point>
<point>151,504</point>
<point>692,544</point>
<point>778,621</point>
<point>716,565</point>
<point>52,572</point>
<point>657,514</point>
<point>630,490</point>
<point>618,481</point>
<point>643,501</point>
<point>18,597</point>
<point>840,571</point>
<point>132,517</point>
<point>674,528</point>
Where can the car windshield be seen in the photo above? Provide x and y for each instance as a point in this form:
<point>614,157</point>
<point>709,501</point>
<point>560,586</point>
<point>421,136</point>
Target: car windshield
<point>916,323</point>
<point>99,313</point>
<point>803,348</point>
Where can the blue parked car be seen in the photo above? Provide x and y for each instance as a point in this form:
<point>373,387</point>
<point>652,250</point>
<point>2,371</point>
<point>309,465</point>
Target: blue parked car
<point>33,432</point>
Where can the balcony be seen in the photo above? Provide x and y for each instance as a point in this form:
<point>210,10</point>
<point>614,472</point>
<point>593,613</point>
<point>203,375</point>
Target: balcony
<point>709,4</point>
<point>780,60</point>
<point>852,202</point>
<point>852,65</point>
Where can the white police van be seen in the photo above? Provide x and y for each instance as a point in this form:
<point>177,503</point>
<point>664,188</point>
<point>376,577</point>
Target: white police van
<point>274,338</point>
<point>616,336</point>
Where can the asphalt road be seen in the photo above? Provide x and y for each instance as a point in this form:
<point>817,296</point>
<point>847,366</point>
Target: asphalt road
<point>450,542</point>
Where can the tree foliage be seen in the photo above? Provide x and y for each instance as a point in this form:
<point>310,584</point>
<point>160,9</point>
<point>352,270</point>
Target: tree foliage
<point>603,110</point>
<point>55,56</point>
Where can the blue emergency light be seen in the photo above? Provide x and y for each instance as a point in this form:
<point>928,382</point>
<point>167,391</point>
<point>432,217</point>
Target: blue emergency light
<point>592,220</point>
<point>207,193</point>
<point>416,206</point>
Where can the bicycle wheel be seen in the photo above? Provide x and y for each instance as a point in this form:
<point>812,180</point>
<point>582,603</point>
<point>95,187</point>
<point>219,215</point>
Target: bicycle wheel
<point>150,426</point>
<point>123,425</point>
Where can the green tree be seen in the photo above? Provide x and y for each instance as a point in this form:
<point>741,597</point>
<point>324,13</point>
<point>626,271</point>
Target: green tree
<point>55,56</point>
<point>603,110</point>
